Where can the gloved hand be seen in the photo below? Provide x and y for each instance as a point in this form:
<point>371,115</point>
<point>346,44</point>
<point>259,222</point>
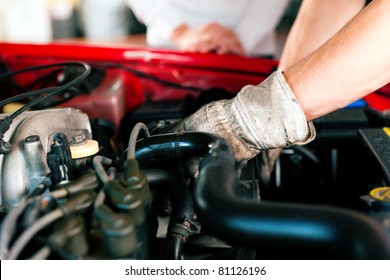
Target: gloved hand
<point>262,117</point>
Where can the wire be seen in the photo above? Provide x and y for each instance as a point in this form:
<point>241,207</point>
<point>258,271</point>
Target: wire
<point>43,80</point>
<point>99,200</point>
<point>10,222</point>
<point>42,187</point>
<point>5,123</point>
<point>57,89</point>
<point>25,95</point>
<point>133,139</point>
<point>8,228</point>
<point>154,78</point>
<point>40,67</point>
<point>87,182</point>
<point>30,232</point>
<point>111,172</point>
<point>99,169</point>
<point>41,254</point>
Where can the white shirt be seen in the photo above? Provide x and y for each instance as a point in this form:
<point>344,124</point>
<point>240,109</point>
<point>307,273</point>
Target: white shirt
<point>253,21</point>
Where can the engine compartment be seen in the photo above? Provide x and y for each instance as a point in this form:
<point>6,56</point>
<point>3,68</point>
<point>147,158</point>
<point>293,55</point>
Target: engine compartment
<point>92,170</point>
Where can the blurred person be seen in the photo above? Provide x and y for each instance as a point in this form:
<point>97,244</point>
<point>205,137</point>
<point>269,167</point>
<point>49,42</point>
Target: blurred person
<point>245,27</point>
<point>24,21</point>
<point>102,19</point>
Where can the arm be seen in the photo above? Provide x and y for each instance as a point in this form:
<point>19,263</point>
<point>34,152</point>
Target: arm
<point>316,22</point>
<point>355,62</point>
<point>275,113</point>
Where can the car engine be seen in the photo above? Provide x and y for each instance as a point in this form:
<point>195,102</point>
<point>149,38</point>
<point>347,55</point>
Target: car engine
<point>87,175</point>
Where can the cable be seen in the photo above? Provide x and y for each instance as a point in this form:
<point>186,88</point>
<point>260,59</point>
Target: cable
<point>111,172</point>
<point>43,80</point>
<point>99,200</point>
<point>56,90</point>
<point>10,222</point>
<point>87,182</point>
<point>42,253</point>
<point>133,139</point>
<point>5,123</point>
<point>78,202</point>
<point>40,67</point>
<point>99,169</point>
<point>25,95</point>
<point>154,78</point>
<point>30,232</point>
<point>8,226</point>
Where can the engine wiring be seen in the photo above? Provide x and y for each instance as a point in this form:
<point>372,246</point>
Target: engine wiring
<point>79,201</point>
<point>144,75</point>
<point>95,196</point>
<point>87,182</point>
<point>25,95</point>
<point>6,122</point>
<point>42,253</point>
<point>53,91</point>
<point>99,169</point>
<point>133,138</point>
<point>30,232</point>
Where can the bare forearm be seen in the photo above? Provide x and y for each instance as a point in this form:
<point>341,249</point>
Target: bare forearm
<point>355,62</point>
<point>316,22</point>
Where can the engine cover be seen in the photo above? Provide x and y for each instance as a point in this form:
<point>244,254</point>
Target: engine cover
<point>30,136</point>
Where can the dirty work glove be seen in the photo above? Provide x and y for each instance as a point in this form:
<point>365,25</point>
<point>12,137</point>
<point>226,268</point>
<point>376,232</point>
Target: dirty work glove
<point>261,117</point>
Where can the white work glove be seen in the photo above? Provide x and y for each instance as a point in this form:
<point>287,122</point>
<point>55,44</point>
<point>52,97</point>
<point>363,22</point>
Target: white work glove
<point>262,117</point>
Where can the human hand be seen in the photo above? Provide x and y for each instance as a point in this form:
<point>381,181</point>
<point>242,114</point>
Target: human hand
<point>211,37</point>
<point>262,117</point>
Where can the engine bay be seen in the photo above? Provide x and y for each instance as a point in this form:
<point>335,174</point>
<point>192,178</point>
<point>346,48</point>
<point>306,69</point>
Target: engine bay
<point>91,167</point>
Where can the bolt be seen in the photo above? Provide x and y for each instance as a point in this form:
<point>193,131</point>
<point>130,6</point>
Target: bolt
<point>5,147</point>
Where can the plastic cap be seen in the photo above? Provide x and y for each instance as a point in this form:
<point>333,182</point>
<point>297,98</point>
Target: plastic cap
<point>89,148</point>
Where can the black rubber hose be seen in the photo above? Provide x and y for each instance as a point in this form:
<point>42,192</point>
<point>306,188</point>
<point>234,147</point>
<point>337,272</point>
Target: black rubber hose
<point>168,147</point>
<point>307,230</point>
<point>174,248</point>
<point>180,196</point>
<point>182,215</point>
<point>321,232</point>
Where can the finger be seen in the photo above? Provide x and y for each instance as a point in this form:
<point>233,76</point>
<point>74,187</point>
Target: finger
<point>203,47</point>
<point>231,40</point>
<point>228,45</point>
<point>209,46</point>
<point>226,39</point>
